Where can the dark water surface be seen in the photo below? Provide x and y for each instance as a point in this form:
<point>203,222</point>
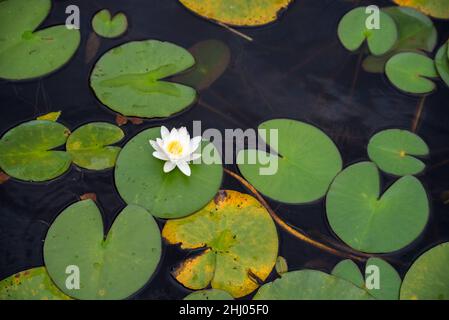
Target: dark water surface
<point>295,68</point>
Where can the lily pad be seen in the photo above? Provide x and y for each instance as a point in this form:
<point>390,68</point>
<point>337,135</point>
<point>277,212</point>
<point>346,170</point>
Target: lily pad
<point>129,79</point>
<point>107,26</point>
<point>310,285</point>
<point>307,161</point>
<point>32,284</point>
<point>434,8</point>
<point>240,241</point>
<point>26,151</point>
<point>416,32</point>
<point>89,145</point>
<point>25,52</point>
<point>140,179</point>
<point>442,63</point>
<point>238,13</point>
<point>410,72</point>
<point>371,222</point>
<point>212,58</point>
<point>353,32</point>
<point>427,278</point>
<point>211,294</point>
<point>394,152</point>
<point>111,267</point>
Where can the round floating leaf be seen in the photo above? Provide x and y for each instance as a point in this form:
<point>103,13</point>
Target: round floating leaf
<point>26,53</point>
<point>409,72</point>
<point>442,63</point>
<point>281,265</point>
<point>349,271</point>
<point>369,222</point>
<point>308,161</point>
<point>237,12</point>
<point>88,145</point>
<point>212,58</point>
<point>310,285</point>
<point>128,79</point>
<point>107,26</point>
<point>26,151</point>
<point>241,244</point>
<point>211,294</point>
<point>111,267</point>
<point>427,278</point>
<point>416,32</point>
<point>353,31</point>
<point>434,8</point>
<point>32,284</point>
<point>140,179</point>
<point>394,152</point>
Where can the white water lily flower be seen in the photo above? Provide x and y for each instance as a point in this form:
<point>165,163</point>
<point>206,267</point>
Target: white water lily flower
<point>176,148</point>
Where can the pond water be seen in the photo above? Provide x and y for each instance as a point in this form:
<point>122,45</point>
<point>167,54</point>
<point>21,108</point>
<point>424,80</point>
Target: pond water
<point>295,68</point>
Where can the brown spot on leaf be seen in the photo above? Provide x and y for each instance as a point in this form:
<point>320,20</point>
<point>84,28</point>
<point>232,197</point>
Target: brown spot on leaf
<point>220,196</point>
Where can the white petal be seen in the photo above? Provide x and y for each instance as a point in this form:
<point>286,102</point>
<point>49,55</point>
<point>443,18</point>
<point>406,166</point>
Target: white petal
<point>159,155</point>
<point>169,166</point>
<point>164,132</point>
<point>195,143</point>
<point>184,167</point>
<point>183,131</point>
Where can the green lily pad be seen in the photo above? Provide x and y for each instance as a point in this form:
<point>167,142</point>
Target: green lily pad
<point>353,32</point>
<point>140,179</point>
<point>111,267</point>
<point>107,26</point>
<point>25,52</point>
<point>310,285</point>
<point>236,12</point>
<point>307,162</point>
<point>129,79</point>
<point>416,32</point>
<point>410,72</point>
<point>211,294</point>
<point>427,278</point>
<point>212,58</point>
<point>442,63</point>
<point>371,222</point>
<point>26,151</point>
<point>394,152</point>
<point>240,241</point>
<point>89,145</point>
<point>434,8</point>
<point>389,281</point>
<point>281,265</point>
<point>32,284</point>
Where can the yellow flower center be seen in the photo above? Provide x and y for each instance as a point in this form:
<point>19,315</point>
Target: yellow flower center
<point>175,148</point>
<point>402,154</point>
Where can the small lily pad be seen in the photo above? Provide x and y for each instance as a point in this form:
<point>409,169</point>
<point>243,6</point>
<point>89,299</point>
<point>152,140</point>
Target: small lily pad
<point>281,265</point>
<point>140,179</point>
<point>240,241</point>
<point>427,278</point>
<point>32,284</point>
<point>107,26</point>
<point>442,63</point>
<point>210,294</point>
<point>129,79</point>
<point>370,222</point>
<point>310,285</point>
<point>25,52</point>
<point>236,12</point>
<point>410,72</point>
<point>89,145</point>
<point>435,8</point>
<point>26,151</point>
<point>394,152</point>
<point>307,161</point>
<point>353,32</point>
<point>111,267</point>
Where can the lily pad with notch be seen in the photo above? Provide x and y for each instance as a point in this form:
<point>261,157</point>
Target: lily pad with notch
<point>111,267</point>
<point>239,242</point>
<point>442,63</point>
<point>27,53</point>
<point>107,26</point>
<point>129,79</point>
<point>304,162</point>
<point>370,222</point>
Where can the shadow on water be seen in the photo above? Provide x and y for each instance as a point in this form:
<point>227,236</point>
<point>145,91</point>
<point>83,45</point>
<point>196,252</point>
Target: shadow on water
<point>295,68</point>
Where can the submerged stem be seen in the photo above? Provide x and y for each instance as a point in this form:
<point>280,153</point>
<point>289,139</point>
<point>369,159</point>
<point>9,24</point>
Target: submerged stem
<point>240,34</point>
<point>418,114</point>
